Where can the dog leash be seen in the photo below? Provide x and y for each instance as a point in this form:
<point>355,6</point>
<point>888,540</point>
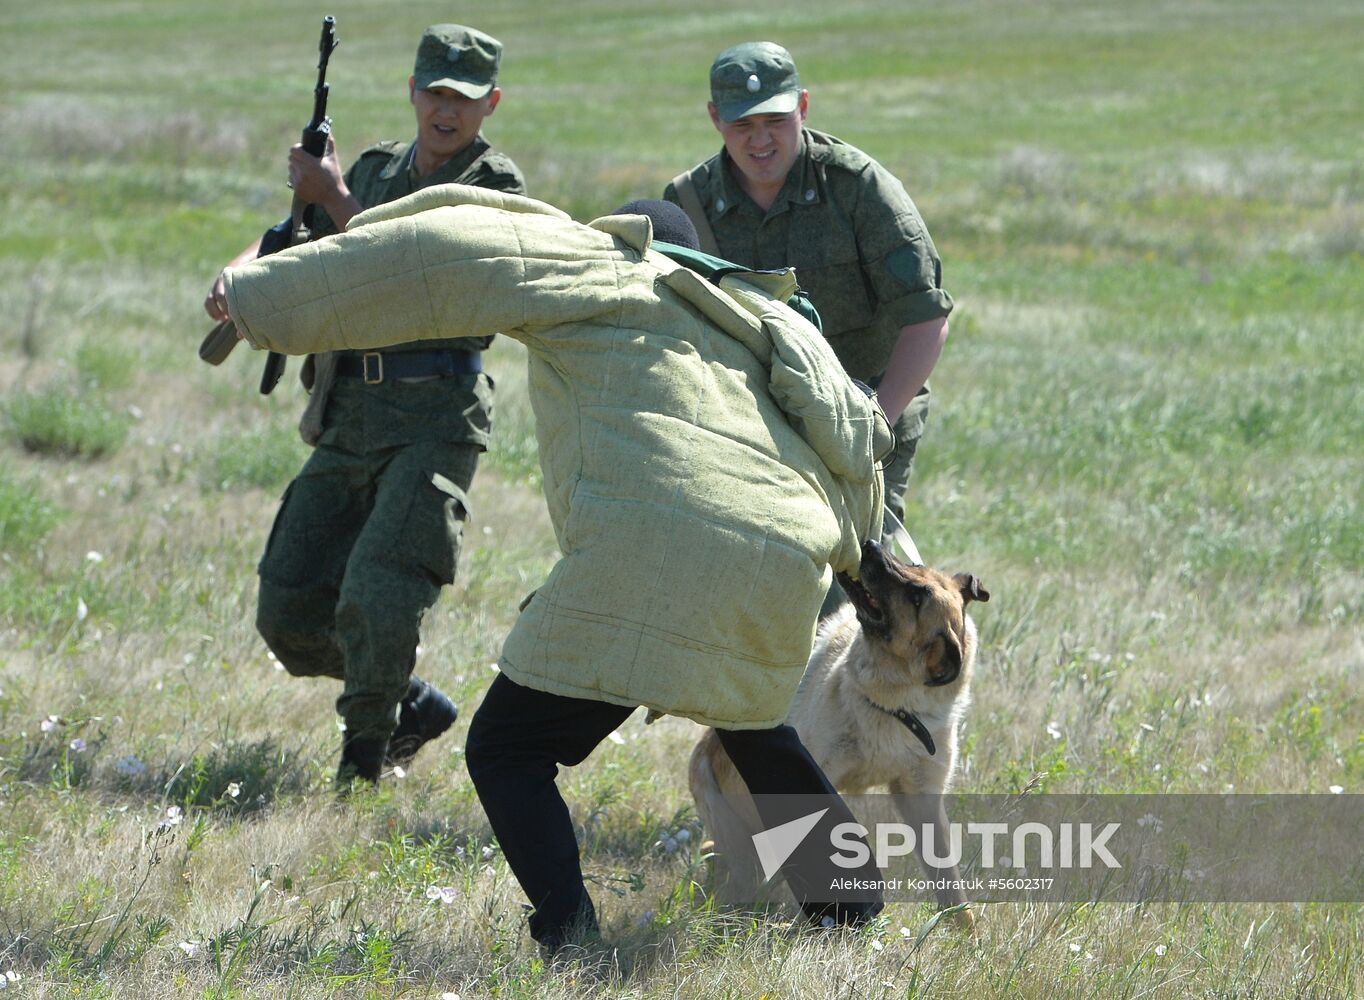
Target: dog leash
<point>900,535</point>
<point>911,722</point>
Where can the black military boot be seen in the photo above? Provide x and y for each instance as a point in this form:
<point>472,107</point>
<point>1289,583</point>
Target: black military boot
<point>424,714</point>
<point>362,760</point>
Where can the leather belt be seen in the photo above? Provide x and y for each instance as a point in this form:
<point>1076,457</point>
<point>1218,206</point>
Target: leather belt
<point>378,366</point>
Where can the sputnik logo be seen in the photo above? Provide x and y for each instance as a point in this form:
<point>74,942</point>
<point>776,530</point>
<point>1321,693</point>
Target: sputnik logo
<point>776,845</point>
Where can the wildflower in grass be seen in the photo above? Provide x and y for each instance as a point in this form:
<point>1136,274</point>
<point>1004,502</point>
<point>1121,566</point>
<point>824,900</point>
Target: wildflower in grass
<point>234,789</point>
<point>488,853</point>
<point>1054,730</point>
<point>1152,821</point>
<point>446,894</point>
<point>190,948</point>
<point>670,842</point>
<point>50,723</point>
<point>77,745</point>
<point>173,816</point>
<point>130,766</point>
<point>1160,950</point>
<point>94,557</point>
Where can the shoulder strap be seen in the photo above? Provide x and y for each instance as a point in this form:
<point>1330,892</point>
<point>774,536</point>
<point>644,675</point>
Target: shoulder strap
<point>715,270</point>
<point>691,204</point>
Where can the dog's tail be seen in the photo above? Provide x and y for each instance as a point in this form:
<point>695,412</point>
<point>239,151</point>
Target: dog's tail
<point>730,819</point>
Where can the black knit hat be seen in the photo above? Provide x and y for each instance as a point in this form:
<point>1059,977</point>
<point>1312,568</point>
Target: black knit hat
<point>671,224</point>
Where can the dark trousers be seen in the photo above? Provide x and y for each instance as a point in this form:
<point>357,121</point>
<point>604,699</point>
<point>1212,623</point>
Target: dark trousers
<point>519,736</point>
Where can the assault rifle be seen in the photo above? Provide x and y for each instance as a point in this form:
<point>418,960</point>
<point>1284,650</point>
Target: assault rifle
<point>297,228</point>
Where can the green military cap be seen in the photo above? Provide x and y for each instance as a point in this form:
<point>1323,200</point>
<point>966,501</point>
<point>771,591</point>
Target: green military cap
<point>463,59</point>
<point>755,78</point>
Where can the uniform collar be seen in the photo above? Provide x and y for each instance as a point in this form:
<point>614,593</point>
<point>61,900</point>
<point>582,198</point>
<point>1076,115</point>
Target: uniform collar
<point>801,187</point>
<point>404,158</point>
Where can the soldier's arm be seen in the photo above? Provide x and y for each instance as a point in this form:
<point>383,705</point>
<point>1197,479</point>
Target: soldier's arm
<point>911,362</point>
<point>903,270</point>
<point>415,277</point>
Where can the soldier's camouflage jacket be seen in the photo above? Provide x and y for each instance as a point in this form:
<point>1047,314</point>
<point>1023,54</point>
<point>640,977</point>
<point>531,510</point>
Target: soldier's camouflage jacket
<point>851,231</point>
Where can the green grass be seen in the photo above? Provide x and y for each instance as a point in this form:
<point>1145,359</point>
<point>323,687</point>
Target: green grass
<point>25,515</point>
<point>1144,440</point>
<point>266,459</point>
<point>64,422</point>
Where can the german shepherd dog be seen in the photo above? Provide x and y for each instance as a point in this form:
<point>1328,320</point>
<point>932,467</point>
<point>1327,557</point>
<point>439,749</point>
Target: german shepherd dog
<point>879,705</point>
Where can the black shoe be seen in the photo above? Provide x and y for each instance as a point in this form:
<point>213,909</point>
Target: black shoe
<point>849,914</point>
<point>577,945</point>
<point>425,714</point>
<point>362,760</point>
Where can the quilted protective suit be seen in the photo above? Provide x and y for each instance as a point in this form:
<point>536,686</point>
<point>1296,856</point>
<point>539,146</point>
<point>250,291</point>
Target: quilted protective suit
<point>706,460</point>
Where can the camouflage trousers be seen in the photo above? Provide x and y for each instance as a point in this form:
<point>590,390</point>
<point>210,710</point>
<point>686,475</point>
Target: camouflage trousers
<point>360,548</point>
<point>909,430</point>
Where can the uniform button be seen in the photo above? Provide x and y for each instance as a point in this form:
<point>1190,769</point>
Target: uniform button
<point>810,195</point>
<point>720,205</point>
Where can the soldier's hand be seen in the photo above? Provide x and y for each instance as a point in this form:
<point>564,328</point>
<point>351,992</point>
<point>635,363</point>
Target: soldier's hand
<point>215,304</point>
<point>316,181</point>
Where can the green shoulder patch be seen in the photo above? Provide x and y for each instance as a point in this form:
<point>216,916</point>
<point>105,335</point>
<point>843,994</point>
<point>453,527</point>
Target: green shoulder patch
<point>906,266</point>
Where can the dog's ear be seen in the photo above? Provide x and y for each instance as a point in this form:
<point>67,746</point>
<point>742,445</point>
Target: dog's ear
<point>971,589</point>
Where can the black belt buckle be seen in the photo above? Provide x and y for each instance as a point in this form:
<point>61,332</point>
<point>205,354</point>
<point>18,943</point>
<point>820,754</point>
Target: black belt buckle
<point>373,374</point>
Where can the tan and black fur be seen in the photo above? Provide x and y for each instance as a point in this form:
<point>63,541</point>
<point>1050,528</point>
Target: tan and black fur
<point>904,642</point>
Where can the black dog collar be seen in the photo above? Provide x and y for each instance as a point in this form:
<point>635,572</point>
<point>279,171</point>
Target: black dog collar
<point>911,722</point>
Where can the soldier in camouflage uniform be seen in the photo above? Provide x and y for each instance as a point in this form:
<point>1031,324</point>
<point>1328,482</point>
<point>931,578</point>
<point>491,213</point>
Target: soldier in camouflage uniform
<point>782,195</point>
<point>370,529</point>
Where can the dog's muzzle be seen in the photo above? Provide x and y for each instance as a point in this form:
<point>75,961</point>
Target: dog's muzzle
<point>947,666</point>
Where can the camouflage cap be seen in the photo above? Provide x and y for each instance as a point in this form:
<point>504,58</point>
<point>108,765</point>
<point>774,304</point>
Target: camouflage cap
<point>754,78</point>
<point>463,59</point>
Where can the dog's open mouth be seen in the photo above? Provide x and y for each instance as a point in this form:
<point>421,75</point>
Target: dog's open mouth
<point>868,607</point>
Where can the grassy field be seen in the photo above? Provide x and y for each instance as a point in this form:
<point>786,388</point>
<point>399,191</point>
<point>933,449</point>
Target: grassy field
<point>1145,440</point>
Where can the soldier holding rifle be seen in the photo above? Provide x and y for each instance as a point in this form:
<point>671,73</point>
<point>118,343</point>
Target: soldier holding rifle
<point>370,529</point>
